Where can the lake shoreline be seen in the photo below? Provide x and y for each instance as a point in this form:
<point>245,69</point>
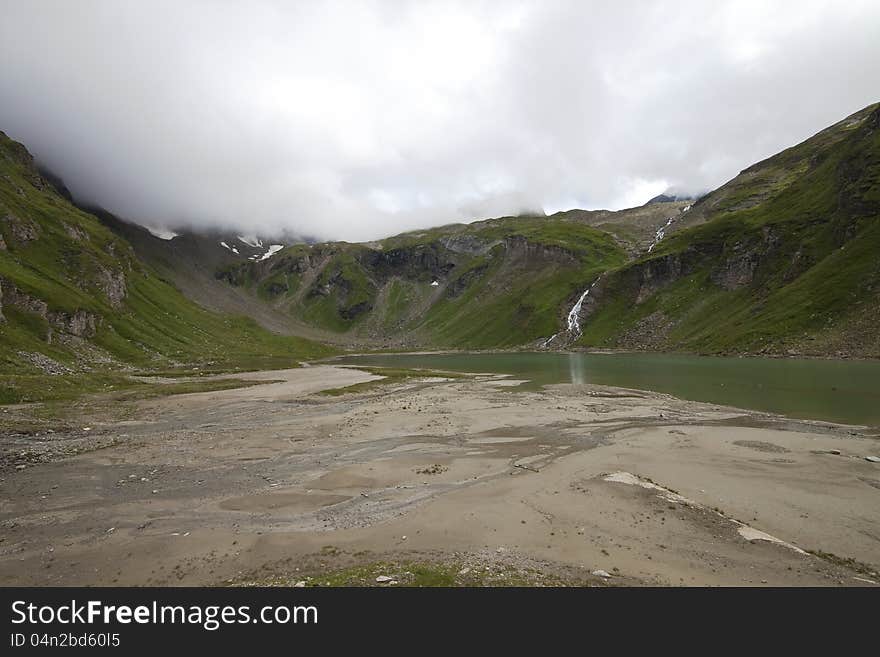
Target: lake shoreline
<point>532,349</point>
<point>837,391</point>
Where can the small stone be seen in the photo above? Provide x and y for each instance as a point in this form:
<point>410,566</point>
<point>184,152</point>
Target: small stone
<point>300,584</point>
<point>873,459</point>
<point>20,467</point>
<point>155,491</point>
<point>381,579</point>
<point>464,571</point>
<point>836,452</point>
<point>601,573</point>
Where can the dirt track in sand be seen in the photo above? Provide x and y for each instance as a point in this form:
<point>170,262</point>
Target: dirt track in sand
<point>262,481</point>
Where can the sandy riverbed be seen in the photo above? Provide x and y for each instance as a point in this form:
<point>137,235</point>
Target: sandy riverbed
<point>261,481</point>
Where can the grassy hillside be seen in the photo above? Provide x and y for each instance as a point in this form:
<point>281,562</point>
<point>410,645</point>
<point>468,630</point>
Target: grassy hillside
<point>75,299</point>
<point>783,259</point>
<point>496,283</point>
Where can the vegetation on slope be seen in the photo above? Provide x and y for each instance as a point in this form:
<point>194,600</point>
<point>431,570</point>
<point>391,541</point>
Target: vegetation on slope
<point>780,259</point>
<point>786,260</point>
<point>496,283</point>
<point>75,299</point>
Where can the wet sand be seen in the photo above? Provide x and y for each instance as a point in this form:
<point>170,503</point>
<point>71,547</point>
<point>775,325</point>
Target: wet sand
<point>266,481</point>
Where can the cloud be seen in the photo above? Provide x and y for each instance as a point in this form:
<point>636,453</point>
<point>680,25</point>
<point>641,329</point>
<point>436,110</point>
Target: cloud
<point>354,120</point>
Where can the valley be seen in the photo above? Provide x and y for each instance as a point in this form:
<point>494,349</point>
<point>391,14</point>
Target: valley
<point>785,249</point>
<point>183,406</point>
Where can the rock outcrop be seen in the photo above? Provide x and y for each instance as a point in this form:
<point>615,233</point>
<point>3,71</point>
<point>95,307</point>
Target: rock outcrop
<point>112,284</point>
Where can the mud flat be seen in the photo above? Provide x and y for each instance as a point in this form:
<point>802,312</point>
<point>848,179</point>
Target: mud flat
<point>593,484</point>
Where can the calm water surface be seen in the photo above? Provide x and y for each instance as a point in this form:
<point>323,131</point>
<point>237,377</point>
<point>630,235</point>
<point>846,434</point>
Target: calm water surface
<point>833,390</point>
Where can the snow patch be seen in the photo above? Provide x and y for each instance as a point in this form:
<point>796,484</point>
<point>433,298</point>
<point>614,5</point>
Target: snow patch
<point>273,249</point>
<point>161,233</point>
<point>251,240</point>
<point>435,283</point>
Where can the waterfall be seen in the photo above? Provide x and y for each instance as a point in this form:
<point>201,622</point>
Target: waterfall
<point>573,327</point>
<point>574,324</point>
<point>661,232</point>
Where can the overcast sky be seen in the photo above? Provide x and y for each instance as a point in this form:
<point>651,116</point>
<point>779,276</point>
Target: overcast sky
<point>355,120</point>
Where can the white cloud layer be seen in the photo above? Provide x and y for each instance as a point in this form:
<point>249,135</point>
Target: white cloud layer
<point>354,120</point>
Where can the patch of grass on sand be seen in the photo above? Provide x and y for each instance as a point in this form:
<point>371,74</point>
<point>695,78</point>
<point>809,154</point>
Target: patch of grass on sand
<point>61,402</point>
<point>391,375</point>
<point>846,562</point>
<point>151,391</point>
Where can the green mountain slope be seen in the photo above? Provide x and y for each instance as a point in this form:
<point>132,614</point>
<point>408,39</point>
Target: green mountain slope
<point>778,260</point>
<point>496,283</point>
<point>75,298</point>
<point>501,282</point>
<point>783,259</point>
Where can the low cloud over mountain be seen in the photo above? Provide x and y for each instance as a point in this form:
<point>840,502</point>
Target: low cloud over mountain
<point>355,120</point>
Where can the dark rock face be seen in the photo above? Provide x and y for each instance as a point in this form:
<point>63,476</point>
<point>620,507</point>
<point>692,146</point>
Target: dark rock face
<point>736,270</point>
<point>338,283</point>
<point>520,247</point>
<point>669,198</point>
<point>458,285</point>
<point>416,263</point>
<point>657,273</point>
